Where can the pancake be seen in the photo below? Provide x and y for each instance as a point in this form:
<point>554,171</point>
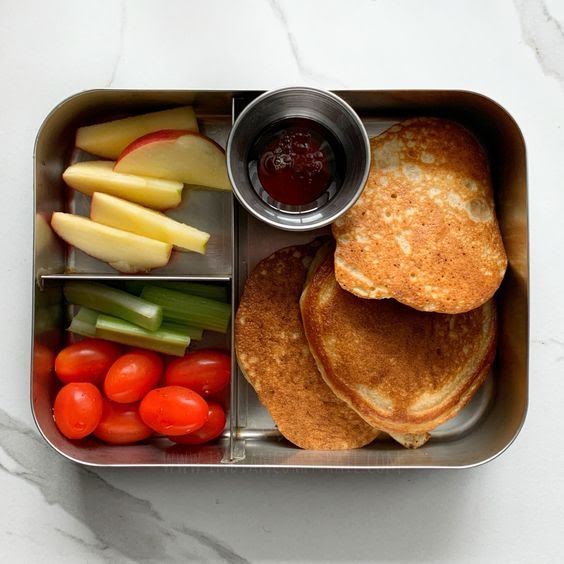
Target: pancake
<point>411,440</point>
<point>424,230</point>
<point>273,354</point>
<point>404,371</point>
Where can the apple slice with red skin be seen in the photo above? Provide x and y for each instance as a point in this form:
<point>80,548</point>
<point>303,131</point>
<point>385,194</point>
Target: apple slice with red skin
<point>110,138</point>
<point>182,155</point>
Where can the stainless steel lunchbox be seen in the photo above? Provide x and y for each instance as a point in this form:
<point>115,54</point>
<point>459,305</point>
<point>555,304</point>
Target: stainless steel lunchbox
<point>482,431</point>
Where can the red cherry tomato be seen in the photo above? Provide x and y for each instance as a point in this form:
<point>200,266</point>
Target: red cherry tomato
<point>173,410</point>
<point>86,361</point>
<point>132,375</point>
<point>204,371</point>
<point>121,424</point>
<point>212,428</point>
<point>221,397</point>
<point>78,409</point>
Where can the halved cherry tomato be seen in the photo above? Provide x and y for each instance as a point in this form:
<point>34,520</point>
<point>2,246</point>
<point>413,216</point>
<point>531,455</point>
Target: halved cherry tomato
<point>132,375</point>
<point>212,428</point>
<point>78,409</point>
<point>121,424</point>
<point>173,410</point>
<point>205,371</point>
<point>86,361</point>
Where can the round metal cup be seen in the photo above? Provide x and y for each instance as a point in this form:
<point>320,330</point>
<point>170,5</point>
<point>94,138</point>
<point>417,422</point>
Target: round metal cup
<point>331,112</point>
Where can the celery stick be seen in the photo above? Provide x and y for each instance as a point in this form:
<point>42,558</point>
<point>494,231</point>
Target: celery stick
<point>195,333</point>
<point>133,286</point>
<point>114,302</point>
<point>167,340</point>
<point>201,289</point>
<point>190,310</point>
<point>210,291</point>
<point>84,322</point>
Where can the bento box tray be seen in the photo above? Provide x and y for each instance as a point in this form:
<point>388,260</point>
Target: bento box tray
<point>482,431</point>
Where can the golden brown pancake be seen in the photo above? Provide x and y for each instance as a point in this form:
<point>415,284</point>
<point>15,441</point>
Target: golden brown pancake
<point>404,371</point>
<point>274,356</point>
<point>411,440</point>
<point>424,230</point>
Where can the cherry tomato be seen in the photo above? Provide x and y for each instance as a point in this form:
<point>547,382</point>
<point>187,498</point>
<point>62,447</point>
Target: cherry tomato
<point>173,410</point>
<point>204,371</point>
<point>132,375</point>
<point>212,428</point>
<point>221,397</point>
<point>86,361</point>
<point>121,424</point>
<point>78,409</point>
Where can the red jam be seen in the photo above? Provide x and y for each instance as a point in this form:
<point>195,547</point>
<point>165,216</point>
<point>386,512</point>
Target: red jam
<point>296,161</point>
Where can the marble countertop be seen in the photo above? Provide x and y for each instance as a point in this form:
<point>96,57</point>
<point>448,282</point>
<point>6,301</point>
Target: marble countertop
<point>510,510</point>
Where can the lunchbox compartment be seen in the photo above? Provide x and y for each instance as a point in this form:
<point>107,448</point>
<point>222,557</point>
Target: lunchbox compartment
<point>484,429</point>
<point>208,210</point>
<point>52,316</point>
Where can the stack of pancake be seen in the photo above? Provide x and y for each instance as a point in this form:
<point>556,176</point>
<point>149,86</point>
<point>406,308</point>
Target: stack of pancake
<point>392,326</point>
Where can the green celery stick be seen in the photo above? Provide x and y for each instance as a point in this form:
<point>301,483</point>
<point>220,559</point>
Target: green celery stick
<point>195,333</point>
<point>114,302</point>
<point>167,340</point>
<point>84,322</point>
<point>189,310</point>
<point>210,291</point>
<point>133,286</point>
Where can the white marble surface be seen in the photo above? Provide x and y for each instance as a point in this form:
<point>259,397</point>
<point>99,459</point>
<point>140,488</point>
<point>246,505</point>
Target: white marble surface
<point>511,510</point>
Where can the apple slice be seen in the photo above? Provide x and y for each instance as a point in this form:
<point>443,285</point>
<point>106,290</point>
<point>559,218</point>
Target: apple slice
<point>177,155</point>
<point>98,176</point>
<point>111,138</point>
<point>134,218</point>
<point>124,251</point>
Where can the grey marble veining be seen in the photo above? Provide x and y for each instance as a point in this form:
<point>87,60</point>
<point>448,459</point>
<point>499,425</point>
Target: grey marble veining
<point>97,549</point>
<point>120,49</point>
<point>305,70</point>
<point>122,524</point>
<point>544,34</point>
